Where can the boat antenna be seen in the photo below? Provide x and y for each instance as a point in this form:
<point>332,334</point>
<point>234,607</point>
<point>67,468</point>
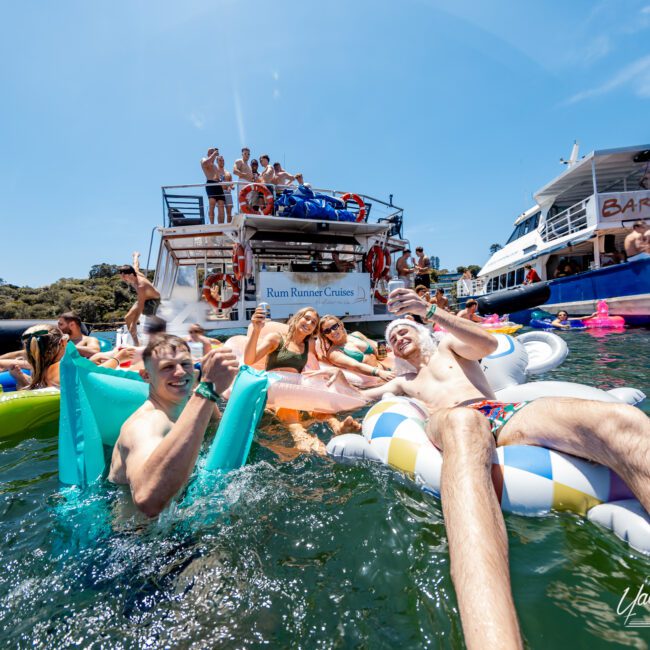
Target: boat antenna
<point>573,158</point>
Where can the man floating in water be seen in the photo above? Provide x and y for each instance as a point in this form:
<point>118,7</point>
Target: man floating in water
<point>158,445</point>
<point>148,297</point>
<point>466,423</point>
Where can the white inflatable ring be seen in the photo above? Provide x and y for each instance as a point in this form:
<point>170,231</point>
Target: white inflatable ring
<point>545,351</point>
<point>528,480</point>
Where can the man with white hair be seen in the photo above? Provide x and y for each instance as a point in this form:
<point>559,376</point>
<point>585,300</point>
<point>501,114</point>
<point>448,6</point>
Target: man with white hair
<point>466,423</point>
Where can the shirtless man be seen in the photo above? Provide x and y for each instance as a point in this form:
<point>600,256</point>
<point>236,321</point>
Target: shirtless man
<point>469,313</point>
<point>422,268</point>
<point>214,192</point>
<point>283,179</point>
<point>224,176</point>
<point>268,175</point>
<point>158,445</point>
<point>148,297</point>
<point>467,429</point>
<point>242,169</point>
<point>440,299</point>
<point>404,270</point>
<point>636,243</point>
<point>70,324</point>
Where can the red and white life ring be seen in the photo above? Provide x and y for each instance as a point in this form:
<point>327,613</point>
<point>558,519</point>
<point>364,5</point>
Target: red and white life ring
<point>244,196</point>
<point>359,201</point>
<point>211,280</point>
<point>375,262</point>
<point>239,261</point>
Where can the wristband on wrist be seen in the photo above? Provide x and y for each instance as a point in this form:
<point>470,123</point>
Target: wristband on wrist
<point>430,312</point>
<point>375,372</point>
<point>206,391</point>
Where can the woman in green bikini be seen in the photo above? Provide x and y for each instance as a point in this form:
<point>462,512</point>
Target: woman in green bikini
<point>350,351</point>
<point>294,351</point>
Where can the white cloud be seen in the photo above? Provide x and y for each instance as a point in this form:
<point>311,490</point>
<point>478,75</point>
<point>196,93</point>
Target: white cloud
<point>635,76</point>
<point>197,120</point>
<point>596,49</point>
<point>646,10</point>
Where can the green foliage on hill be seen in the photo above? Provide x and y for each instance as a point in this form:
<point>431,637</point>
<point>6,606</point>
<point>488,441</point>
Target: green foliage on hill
<point>101,298</point>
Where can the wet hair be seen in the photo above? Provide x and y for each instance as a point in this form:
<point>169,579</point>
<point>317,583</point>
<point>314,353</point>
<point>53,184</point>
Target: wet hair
<point>155,325</point>
<point>197,328</point>
<point>164,343</point>
<point>264,155</point>
<point>126,269</point>
<point>471,302</point>
<point>41,344</point>
<point>292,323</point>
<point>325,343</point>
<point>71,316</point>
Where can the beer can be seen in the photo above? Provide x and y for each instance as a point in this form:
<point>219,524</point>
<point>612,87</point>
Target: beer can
<point>382,351</point>
<point>267,309</point>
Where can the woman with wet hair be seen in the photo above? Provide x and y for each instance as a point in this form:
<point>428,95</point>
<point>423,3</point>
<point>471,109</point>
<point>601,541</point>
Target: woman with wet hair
<point>352,351</point>
<point>44,347</point>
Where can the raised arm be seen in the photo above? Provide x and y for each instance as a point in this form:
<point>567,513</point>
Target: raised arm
<point>157,467</point>
<point>136,263</point>
<point>468,340</point>
<point>256,349</point>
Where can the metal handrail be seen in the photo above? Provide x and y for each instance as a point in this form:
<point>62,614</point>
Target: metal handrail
<point>393,210</point>
<point>567,222</point>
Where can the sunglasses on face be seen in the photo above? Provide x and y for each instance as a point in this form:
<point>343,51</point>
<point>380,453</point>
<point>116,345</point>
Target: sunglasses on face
<point>329,330</point>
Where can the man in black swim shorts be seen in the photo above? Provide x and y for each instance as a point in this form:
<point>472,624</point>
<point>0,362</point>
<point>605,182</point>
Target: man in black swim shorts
<point>212,187</point>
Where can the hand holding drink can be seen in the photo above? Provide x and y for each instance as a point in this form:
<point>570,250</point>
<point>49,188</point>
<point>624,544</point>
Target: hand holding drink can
<point>267,309</point>
<point>392,286</point>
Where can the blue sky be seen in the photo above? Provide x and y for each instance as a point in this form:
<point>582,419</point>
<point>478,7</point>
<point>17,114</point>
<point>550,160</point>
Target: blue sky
<point>459,109</point>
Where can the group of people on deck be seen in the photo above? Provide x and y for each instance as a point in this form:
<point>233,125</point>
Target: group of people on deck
<point>219,180</point>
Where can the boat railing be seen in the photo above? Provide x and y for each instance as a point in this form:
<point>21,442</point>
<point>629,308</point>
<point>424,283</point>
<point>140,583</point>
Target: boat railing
<point>189,204</point>
<point>573,219</point>
<point>474,287</point>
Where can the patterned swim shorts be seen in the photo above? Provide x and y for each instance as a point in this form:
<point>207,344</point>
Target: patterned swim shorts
<point>498,413</point>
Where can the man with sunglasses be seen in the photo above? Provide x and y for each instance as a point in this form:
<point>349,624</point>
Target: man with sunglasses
<point>467,423</point>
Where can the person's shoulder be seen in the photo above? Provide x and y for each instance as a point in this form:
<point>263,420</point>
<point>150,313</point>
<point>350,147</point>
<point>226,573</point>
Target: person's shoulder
<point>148,415</point>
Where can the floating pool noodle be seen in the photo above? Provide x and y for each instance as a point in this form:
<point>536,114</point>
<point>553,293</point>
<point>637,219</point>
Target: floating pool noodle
<point>95,402</point>
<point>234,437</point>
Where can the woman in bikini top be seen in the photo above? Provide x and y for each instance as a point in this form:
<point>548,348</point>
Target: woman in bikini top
<point>350,351</point>
<point>288,353</point>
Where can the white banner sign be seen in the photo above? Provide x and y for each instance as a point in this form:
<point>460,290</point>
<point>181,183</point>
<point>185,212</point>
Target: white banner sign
<point>328,293</point>
<point>624,206</point>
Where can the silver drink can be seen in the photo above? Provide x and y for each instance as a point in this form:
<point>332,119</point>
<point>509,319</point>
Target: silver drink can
<point>267,309</point>
<point>395,284</point>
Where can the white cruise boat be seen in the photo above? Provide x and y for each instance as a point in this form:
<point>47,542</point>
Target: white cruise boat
<point>335,258</point>
<point>573,238</point>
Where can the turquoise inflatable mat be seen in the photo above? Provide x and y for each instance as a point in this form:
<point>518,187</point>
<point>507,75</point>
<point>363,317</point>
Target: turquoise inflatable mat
<point>96,401</point>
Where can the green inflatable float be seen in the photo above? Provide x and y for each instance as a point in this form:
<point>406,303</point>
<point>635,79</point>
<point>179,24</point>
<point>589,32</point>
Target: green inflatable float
<point>96,401</point>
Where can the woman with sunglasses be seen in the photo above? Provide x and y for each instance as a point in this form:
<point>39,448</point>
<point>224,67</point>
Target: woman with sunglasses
<point>293,352</point>
<point>352,351</point>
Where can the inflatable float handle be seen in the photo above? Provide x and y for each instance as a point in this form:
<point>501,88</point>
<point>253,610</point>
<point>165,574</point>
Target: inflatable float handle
<point>234,437</point>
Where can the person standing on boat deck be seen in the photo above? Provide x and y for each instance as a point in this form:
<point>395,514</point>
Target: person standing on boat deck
<point>70,324</point>
<point>224,176</point>
<point>148,297</point>
<point>469,313</point>
<point>298,179</point>
<point>466,423</point>
<point>158,445</point>
<point>531,275</point>
<point>422,268</point>
<point>283,179</point>
<point>268,175</point>
<point>404,270</point>
<point>636,243</point>
<point>214,191</point>
<point>242,169</point>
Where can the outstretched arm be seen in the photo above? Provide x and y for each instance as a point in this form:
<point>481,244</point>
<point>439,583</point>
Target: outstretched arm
<point>256,349</point>
<point>393,386</point>
<point>468,340</point>
<point>157,467</point>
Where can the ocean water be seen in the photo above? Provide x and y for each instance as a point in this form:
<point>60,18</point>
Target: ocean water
<point>298,553</point>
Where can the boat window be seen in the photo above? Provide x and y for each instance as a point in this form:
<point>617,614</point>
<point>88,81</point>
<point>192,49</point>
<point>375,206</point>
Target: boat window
<point>511,279</point>
<point>490,285</point>
<point>520,275</point>
<point>502,281</point>
<point>525,227</point>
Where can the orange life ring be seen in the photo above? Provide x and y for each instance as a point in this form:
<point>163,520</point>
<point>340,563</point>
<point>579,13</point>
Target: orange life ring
<point>381,297</point>
<point>387,260</point>
<point>375,261</point>
<point>244,194</point>
<point>211,280</point>
<point>239,261</point>
<point>348,196</point>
